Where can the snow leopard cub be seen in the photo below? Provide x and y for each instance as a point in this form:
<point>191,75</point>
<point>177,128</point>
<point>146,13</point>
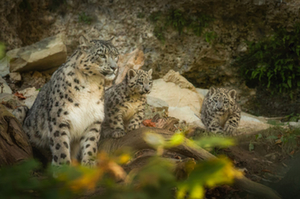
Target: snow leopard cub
<point>125,103</point>
<point>220,111</point>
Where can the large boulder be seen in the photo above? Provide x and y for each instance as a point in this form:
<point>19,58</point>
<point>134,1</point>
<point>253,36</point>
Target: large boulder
<point>185,102</point>
<point>43,55</point>
<point>186,114</point>
<point>177,92</point>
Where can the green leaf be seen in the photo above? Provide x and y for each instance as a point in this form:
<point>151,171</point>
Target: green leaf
<point>251,146</point>
<point>209,142</point>
<point>271,137</point>
<point>258,136</point>
<point>2,50</point>
<point>289,81</point>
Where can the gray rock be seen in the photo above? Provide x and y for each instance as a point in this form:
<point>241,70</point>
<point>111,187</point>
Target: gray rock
<point>201,91</point>
<point>10,101</point>
<point>15,77</point>
<point>4,88</point>
<point>43,55</point>
<point>4,66</point>
<point>293,124</point>
<point>157,104</point>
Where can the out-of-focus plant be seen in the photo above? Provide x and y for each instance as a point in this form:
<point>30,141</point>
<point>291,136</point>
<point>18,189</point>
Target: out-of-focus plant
<point>273,63</point>
<point>207,173</point>
<point>2,50</point>
<point>85,18</point>
<point>20,181</point>
<point>156,179</point>
<point>180,20</point>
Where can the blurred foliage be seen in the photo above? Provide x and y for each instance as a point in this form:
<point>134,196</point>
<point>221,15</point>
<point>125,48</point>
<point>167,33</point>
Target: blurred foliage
<point>140,15</point>
<point>274,62</point>
<point>210,36</point>
<point>179,20</point>
<point>85,18</point>
<point>2,50</point>
<point>20,181</point>
<point>156,179</point>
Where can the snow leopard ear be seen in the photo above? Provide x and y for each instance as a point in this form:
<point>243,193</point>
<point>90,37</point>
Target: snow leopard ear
<point>150,72</point>
<point>212,90</point>
<point>83,42</point>
<point>131,74</point>
<point>232,94</point>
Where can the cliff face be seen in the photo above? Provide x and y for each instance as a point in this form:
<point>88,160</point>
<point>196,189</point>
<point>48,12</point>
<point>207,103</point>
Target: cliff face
<point>204,60</point>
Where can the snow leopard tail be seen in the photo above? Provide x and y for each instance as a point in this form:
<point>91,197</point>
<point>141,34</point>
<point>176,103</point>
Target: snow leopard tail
<point>20,113</point>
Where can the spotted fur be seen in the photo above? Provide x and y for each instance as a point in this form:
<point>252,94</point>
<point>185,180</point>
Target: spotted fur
<point>220,111</point>
<point>125,103</point>
<point>69,110</point>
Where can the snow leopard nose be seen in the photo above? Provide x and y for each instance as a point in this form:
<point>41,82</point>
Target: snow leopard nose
<point>147,89</point>
<point>114,66</point>
<point>219,105</point>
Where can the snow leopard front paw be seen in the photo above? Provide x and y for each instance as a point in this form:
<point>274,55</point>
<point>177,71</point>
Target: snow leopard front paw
<point>118,133</point>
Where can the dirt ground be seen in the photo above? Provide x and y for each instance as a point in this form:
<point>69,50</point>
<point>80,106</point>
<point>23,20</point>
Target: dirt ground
<point>269,157</point>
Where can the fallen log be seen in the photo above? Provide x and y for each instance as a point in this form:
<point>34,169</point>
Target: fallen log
<point>135,141</point>
<point>14,145</point>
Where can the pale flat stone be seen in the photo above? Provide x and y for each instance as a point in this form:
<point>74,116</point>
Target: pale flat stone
<point>43,55</point>
<point>179,80</point>
<point>293,124</point>
<point>176,96</point>
<point>30,94</point>
<point>4,88</point>
<point>185,114</point>
<point>202,92</point>
<point>250,123</point>
<point>157,103</point>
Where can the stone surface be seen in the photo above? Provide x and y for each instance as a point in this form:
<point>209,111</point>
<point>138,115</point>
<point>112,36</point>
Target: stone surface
<point>43,55</point>
<point>203,64</point>
<point>132,60</point>
<point>179,80</point>
<point>10,101</point>
<point>176,96</point>
<point>185,114</point>
<point>293,124</point>
<point>30,94</point>
<point>4,66</point>
<point>157,104</point>
<point>4,88</point>
<point>15,77</point>
<point>250,123</point>
<point>10,22</point>
<point>201,91</point>
<point>35,79</point>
